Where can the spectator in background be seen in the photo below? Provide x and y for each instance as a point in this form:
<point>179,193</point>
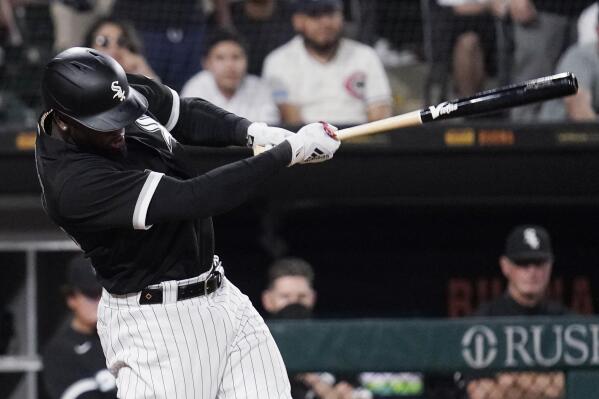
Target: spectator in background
<point>9,23</point>
<point>526,264</point>
<point>466,36</point>
<point>543,29</point>
<point>72,19</point>
<point>319,75</point>
<point>225,82</point>
<point>290,295</point>
<point>173,32</point>
<point>119,40</point>
<point>587,24</point>
<point>583,61</point>
<point>74,364</point>
<point>265,25</point>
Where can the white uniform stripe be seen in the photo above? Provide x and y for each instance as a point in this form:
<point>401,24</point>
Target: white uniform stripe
<point>174,383</point>
<point>179,351</point>
<point>240,365</point>
<point>188,354</point>
<point>120,375</point>
<point>197,345</point>
<point>256,348</point>
<point>222,345</point>
<point>130,365</point>
<point>272,371</point>
<point>143,201</point>
<point>216,334</point>
<point>208,352</point>
<point>143,341</point>
<point>149,331</point>
<point>232,376</point>
<point>174,116</point>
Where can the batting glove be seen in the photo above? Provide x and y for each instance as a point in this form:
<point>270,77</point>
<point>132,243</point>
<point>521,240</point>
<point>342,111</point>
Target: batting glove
<point>261,135</point>
<point>313,143</point>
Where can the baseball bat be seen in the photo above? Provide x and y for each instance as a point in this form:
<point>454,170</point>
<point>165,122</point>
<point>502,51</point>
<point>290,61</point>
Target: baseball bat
<point>546,88</point>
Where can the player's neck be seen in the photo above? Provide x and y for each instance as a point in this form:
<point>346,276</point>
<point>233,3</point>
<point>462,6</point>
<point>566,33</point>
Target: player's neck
<point>259,11</point>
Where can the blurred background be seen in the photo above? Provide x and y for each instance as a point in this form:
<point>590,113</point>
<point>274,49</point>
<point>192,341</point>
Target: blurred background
<point>404,225</point>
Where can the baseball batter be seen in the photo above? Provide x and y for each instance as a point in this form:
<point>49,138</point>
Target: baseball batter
<point>116,179</point>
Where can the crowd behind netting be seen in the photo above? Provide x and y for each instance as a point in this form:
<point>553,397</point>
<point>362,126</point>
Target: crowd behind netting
<point>289,62</point>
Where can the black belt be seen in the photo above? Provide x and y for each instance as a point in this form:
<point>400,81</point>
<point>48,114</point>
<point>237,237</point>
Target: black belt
<point>150,296</point>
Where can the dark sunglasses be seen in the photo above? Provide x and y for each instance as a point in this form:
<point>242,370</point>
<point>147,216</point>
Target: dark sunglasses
<point>104,41</point>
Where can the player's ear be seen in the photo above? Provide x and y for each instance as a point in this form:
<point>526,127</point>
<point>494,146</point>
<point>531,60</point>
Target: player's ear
<point>71,301</point>
<point>505,264</point>
<point>298,22</point>
<point>267,301</point>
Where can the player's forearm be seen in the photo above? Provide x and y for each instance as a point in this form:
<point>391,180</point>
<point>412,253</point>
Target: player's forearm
<point>216,191</point>
<point>203,123</point>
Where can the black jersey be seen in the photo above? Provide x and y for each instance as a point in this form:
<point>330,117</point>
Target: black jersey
<point>145,217</point>
<point>507,306</point>
<point>75,362</point>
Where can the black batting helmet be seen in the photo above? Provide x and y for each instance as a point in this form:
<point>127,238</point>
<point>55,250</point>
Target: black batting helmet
<point>92,89</point>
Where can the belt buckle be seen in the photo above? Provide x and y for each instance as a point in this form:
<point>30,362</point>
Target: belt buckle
<point>217,279</point>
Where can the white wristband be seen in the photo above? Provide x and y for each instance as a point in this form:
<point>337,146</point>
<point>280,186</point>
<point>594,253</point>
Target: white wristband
<point>253,130</point>
<point>297,148</point>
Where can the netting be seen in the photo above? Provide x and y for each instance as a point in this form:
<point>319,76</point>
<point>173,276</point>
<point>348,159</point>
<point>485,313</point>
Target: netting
<point>431,49</point>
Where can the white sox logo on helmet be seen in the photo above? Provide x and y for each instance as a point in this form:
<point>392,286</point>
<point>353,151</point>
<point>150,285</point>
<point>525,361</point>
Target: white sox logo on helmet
<point>118,91</point>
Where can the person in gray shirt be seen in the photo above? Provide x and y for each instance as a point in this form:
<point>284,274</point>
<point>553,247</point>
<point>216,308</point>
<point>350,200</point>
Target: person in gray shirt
<point>583,61</point>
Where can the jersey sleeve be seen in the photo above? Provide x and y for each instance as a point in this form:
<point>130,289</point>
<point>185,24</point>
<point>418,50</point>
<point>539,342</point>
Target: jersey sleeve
<point>163,102</point>
<point>278,77</point>
<point>377,83</point>
<point>105,198</point>
<point>191,121</point>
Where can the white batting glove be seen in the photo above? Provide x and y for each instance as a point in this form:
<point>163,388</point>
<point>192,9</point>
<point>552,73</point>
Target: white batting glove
<point>313,143</point>
<point>261,135</point>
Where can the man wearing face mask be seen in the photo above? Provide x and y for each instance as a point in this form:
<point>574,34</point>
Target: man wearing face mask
<point>526,264</point>
<point>290,295</point>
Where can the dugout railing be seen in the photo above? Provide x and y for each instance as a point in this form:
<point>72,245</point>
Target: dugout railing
<point>470,346</point>
<point>435,346</point>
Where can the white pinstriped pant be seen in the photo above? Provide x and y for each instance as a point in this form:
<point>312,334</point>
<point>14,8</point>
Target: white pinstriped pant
<point>214,346</point>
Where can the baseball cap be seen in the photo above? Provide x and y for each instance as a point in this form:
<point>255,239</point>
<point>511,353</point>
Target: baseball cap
<point>313,7</point>
<point>81,277</point>
<point>528,243</point>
